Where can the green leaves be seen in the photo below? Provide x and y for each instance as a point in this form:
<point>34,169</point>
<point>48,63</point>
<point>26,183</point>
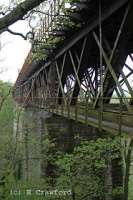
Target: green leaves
<point>84,169</point>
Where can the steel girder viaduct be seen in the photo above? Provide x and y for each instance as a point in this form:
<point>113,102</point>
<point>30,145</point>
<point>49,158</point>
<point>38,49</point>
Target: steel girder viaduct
<point>73,70</point>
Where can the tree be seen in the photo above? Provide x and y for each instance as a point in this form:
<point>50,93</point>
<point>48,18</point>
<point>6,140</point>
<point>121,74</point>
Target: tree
<point>5,90</point>
<point>17,13</point>
<point>6,133</point>
<point>127,160</point>
<point>84,171</point>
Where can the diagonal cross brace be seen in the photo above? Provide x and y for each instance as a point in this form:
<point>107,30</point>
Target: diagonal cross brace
<point>112,72</point>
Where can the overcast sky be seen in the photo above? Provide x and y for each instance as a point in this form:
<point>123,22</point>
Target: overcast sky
<point>13,52</point>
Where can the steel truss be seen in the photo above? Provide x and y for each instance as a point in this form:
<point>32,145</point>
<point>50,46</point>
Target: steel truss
<point>76,75</point>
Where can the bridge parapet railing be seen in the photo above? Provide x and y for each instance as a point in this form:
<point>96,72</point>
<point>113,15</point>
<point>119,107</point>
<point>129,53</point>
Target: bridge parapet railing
<point>116,105</point>
<point>114,113</point>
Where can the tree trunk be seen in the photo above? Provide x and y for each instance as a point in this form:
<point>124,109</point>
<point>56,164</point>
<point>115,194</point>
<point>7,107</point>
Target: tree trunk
<point>127,170</point>
<point>18,13</point>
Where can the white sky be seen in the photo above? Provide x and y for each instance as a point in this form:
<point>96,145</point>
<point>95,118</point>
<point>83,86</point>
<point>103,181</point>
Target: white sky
<point>13,52</point>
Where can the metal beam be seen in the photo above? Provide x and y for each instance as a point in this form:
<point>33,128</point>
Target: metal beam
<point>107,12</point>
<point>112,72</point>
<point>60,82</point>
<point>62,69</point>
<point>90,26</point>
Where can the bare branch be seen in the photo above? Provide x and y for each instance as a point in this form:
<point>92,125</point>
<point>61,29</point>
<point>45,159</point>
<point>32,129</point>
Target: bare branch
<point>18,13</point>
<point>2,13</point>
<point>16,33</point>
<point>29,35</point>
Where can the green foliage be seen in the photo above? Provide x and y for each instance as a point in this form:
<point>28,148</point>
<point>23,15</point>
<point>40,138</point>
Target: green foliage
<point>83,170</point>
<point>51,42</point>
<point>72,1</point>
<point>63,20</point>
<point>39,56</point>
<point>6,137</point>
<point>131,183</point>
<point>6,111</point>
<point>117,191</point>
<point>6,108</point>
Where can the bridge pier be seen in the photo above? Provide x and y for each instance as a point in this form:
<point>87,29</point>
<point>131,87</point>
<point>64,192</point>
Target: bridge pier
<point>44,133</point>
